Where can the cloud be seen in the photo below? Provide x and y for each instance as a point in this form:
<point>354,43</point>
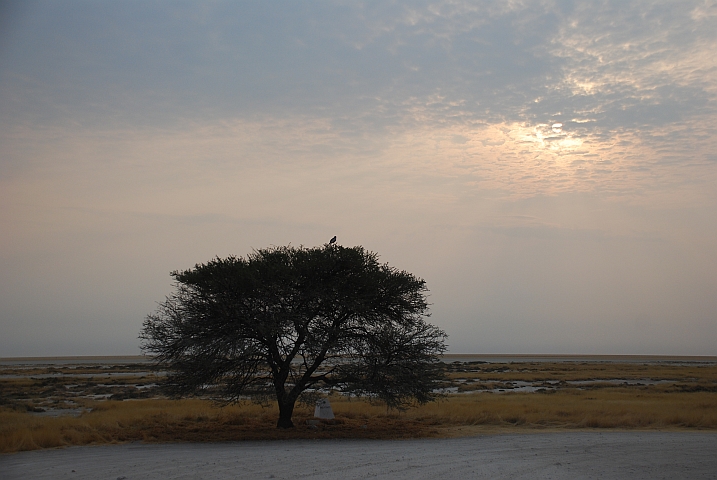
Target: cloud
<point>509,151</point>
<point>360,65</point>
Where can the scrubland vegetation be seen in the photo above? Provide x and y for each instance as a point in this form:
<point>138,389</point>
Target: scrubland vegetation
<point>602,395</point>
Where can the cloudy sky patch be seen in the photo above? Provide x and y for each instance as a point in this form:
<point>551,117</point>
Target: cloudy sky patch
<point>547,166</point>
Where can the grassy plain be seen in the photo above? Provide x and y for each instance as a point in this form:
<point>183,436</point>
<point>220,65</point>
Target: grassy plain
<point>120,405</point>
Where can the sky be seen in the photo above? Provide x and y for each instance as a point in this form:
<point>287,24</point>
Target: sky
<point>548,167</point>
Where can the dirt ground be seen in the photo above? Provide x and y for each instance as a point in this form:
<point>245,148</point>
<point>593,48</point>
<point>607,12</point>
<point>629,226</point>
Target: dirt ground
<point>606,455</point>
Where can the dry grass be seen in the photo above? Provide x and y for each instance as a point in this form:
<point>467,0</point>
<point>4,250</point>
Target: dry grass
<point>198,420</point>
<point>574,371</point>
<point>187,420</point>
<point>684,397</point>
<point>607,408</point>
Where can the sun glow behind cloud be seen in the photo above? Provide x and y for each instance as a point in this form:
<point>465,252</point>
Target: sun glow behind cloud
<point>547,166</point>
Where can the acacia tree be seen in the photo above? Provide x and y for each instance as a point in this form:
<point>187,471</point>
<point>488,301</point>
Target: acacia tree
<point>286,319</point>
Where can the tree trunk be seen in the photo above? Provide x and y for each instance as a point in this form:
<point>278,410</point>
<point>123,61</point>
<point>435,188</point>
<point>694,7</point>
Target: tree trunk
<point>286,410</point>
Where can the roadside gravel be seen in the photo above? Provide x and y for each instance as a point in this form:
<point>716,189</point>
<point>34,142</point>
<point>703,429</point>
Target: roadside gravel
<point>605,455</point>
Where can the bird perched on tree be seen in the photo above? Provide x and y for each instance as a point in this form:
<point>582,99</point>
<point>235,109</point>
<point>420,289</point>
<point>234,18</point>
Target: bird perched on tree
<point>333,240</point>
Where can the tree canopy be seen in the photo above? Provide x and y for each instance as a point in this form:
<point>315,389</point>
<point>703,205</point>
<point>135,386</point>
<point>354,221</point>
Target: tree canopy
<point>287,319</point>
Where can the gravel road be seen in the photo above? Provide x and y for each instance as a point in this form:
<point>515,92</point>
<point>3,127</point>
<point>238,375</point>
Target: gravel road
<point>607,455</point>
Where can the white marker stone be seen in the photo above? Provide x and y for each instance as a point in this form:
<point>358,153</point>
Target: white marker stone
<point>323,409</point>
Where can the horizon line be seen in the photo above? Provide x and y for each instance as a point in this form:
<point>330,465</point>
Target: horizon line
<point>494,355</point>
